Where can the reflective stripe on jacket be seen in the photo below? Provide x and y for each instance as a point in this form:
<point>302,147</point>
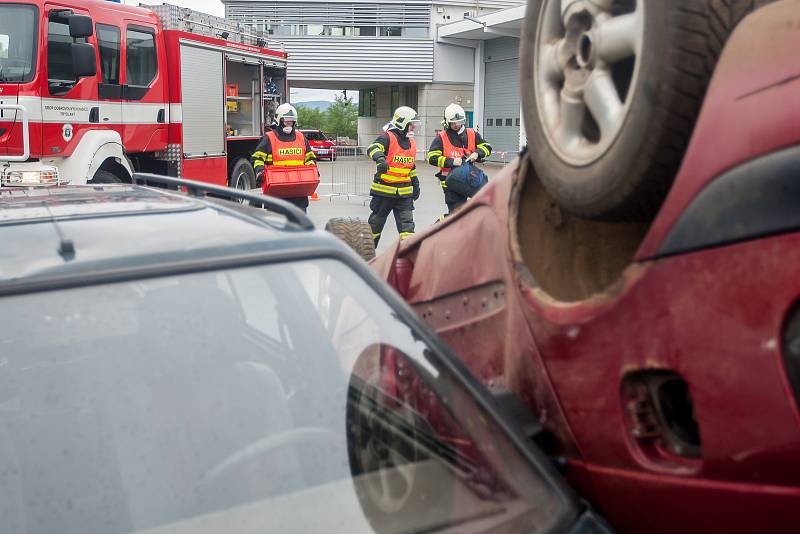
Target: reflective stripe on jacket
<point>398,179</point>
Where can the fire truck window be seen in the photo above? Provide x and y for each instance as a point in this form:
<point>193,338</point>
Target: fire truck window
<point>141,61</point>
<point>108,38</point>
<point>59,52</point>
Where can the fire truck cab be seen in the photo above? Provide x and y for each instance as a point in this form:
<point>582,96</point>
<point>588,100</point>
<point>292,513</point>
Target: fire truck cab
<point>92,91</point>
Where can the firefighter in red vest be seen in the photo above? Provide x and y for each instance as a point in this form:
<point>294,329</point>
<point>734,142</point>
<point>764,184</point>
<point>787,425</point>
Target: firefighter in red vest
<point>284,145</point>
<point>395,186</point>
<point>452,147</point>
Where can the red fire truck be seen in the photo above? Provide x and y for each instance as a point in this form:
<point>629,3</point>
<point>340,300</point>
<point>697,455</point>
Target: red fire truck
<point>92,91</point>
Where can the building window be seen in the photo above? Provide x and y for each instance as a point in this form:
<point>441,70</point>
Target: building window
<point>366,31</point>
<point>412,96</point>
<point>509,122</point>
<point>391,31</point>
<point>395,103</point>
<point>518,123</point>
<point>498,122</point>
<point>489,122</point>
<point>415,32</point>
<point>108,39</point>
<point>367,106</point>
<point>141,62</point>
<point>315,29</point>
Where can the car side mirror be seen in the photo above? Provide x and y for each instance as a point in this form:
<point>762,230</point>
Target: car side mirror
<point>80,26</point>
<point>84,62</point>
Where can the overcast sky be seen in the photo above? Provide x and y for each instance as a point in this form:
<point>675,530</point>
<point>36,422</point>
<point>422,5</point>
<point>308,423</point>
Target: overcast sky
<point>215,7</point>
<point>307,95</point>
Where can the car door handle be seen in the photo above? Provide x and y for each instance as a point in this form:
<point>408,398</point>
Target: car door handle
<point>94,115</point>
<point>161,116</point>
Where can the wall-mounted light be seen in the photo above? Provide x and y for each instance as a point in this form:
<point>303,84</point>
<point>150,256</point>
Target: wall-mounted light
<point>224,35</point>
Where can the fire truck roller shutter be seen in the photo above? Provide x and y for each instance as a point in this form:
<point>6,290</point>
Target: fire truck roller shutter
<point>203,101</point>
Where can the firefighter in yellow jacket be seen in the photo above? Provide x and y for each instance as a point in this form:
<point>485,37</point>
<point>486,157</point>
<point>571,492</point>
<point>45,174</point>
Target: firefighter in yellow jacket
<point>395,186</point>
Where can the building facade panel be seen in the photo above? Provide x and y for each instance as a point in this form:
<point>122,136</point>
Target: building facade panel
<point>359,59</point>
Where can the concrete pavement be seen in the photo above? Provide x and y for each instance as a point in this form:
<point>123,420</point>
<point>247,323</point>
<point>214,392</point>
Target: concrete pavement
<point>355,173</point>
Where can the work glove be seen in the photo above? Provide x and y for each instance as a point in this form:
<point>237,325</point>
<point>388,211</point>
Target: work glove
<point>457,162</point>
<point>472,157</point>
<point>415,195</point>
<point>383,167</point>
<point>259,176</point>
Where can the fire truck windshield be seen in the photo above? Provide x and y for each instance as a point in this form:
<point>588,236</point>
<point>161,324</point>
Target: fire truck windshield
<point>17,43</point>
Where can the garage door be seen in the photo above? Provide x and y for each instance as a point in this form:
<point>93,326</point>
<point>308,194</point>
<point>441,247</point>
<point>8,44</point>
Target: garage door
<point>501,107</point>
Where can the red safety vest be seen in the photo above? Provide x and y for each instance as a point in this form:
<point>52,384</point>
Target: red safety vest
<point>397,180</point>
<point>401,161</point>
<point>449,150</point>
<point>288,153</point>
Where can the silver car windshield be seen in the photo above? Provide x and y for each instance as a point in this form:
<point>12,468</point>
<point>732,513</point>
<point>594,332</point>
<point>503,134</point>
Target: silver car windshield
<point>281,398</point>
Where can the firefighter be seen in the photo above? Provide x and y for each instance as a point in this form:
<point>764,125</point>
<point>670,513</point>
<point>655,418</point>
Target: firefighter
<point>453,146</point>
<point>284,145</point>
<point>395,186</point>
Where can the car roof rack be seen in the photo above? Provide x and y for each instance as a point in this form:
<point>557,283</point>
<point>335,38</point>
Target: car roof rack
<point>292,213</point>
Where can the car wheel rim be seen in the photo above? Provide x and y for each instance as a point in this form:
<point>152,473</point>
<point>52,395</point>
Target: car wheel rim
<point>587,58</point>
<point>394,483</point>
<point>241,184</point>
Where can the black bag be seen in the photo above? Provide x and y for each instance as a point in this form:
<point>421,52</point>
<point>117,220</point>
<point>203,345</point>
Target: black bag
<point>466,180</point>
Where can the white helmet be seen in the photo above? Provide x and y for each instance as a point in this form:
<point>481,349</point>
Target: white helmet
<point>403,116</point>
<point>454,114</point>
<point>285,112</point>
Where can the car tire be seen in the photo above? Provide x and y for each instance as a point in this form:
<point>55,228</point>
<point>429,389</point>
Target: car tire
<point>242,177</point>
<point>356,233</point>
<point>611,105</point>
<point>104,177</point>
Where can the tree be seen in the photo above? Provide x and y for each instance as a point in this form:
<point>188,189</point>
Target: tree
<point>341,118</point>
<point>310,118</point>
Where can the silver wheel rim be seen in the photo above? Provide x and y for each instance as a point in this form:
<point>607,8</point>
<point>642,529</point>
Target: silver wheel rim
<point>587,59</point>
<point>394,483</point>
<point>392,486</point>
<point>241,184</point>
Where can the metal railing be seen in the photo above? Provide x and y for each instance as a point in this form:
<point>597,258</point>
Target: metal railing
<point>502,158</point>
<point>351,174</point>
<point>26,139</point>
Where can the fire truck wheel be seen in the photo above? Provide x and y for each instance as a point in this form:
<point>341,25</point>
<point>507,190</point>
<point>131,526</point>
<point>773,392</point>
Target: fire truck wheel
<point>242,175</point>
<point>611,91</point>
<point>356,233</point>
<point>104,177</point>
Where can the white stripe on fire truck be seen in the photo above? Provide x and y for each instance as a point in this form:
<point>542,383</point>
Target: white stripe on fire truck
<point>61,111</point>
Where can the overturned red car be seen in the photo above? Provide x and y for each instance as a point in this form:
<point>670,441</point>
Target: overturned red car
<point>661,354</point>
